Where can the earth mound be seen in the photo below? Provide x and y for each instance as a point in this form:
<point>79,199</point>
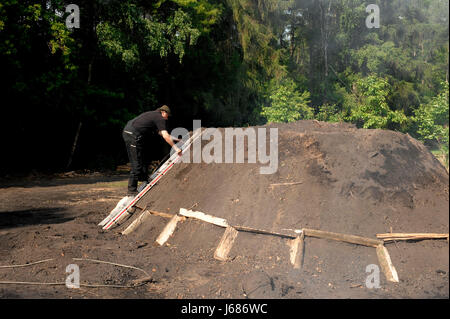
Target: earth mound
<point>330,176</point>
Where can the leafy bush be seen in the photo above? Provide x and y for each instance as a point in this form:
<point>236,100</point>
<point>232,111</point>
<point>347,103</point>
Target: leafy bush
<point>287,104</point>
<point>372,109</point>
<point>431,121</point>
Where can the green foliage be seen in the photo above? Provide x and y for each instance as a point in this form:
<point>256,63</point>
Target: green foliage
<point>329,113</point>
<point>372,110</point>
<point>206,14</point>
<point>130,36</point>
<point>233,62</point>
<point>432,119</point>
<point>287,104</point>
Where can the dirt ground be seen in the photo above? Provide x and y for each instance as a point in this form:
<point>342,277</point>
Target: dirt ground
<point>359,182</point>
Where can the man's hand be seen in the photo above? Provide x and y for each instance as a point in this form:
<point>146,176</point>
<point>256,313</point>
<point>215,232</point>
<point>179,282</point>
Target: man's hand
<point>165,135</point>
<point>178,150</point>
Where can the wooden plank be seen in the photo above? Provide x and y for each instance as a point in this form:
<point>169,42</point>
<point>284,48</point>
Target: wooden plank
<point>136,223</point>
<point>142,218</point>
<point>226,242</point>
<point>411,236</point>
<point>262,231</point>
<point>116,210</point>
<point>285,184</point>
<point>296,251</point>
<point>161,214</point>
<point>343,237</point>
<point>204,217</point>
<point>169,229</point>
<point>386,264</point>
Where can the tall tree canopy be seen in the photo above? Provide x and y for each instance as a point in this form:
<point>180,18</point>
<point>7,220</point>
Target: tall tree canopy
<point>228,63</point>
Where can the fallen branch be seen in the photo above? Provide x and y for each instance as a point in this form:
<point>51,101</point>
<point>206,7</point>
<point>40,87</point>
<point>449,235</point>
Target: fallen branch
<point>135,283</point>
<point>25,265</point>
<point>110,263</point>
<point>282,184</point>
<point>139,282</point>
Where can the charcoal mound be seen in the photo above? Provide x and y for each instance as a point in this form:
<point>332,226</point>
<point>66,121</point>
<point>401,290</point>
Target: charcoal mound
<point>330,176</point>
<point>338,178</point>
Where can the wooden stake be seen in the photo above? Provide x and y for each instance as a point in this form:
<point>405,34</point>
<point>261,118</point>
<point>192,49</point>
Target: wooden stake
<point>169,229</point>
<point>343,237</point>
<point>135,224</point>
<point>204,217</point>
<point>386,264</point>
<point>224,247</point>
<point>142,218</point>
<point>296,252</point>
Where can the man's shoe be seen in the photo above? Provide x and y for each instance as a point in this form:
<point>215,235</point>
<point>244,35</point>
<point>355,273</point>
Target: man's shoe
<point>142,186</point>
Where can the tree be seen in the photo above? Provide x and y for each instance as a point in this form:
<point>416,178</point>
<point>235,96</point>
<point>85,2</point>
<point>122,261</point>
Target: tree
<point>287,104</point>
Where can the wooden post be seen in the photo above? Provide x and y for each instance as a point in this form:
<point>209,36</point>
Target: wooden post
<point>142,218</point>
<point>169,229</point>
<point>135,224</point>
<point>296,251</point>
<point>224,247</point>
<point>386,264</point>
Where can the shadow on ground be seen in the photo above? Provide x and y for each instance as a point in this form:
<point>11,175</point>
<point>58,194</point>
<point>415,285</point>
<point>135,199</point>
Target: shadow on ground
<point>36,216</point>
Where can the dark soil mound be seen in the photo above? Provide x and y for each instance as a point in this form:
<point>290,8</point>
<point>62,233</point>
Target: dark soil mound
<point>355,181</point>
<point>347,180</point>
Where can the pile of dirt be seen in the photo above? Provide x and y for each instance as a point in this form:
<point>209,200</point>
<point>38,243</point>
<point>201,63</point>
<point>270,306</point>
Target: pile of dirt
<point>344,179</point>
<point>334,177</point>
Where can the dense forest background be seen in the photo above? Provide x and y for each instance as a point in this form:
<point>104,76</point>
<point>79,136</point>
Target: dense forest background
<point>66,93</point>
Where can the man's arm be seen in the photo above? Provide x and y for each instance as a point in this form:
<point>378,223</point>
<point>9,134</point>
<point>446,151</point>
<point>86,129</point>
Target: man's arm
<point>166,136</point>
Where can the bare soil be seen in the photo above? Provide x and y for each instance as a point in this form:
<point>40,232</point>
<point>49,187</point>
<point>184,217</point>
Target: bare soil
<point>359,182</point>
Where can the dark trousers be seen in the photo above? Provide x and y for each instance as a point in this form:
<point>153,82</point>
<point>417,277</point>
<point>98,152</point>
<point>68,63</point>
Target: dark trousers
<point>136,154</point>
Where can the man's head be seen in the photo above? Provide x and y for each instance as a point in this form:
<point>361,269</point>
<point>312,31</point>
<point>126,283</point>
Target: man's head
<point>165,111</point>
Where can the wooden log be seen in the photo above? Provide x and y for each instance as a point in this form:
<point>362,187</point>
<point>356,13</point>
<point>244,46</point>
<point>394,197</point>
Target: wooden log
<point>142,218</point>
<point>161,214</point>
<point>122,218</point>
<point>225,244</point>
<point>204,217</point>
<point>386,264</point>
<point>411,236</point>
<point>343,237</point>
<point>285,184</point>
<point>262,231</point>
<point>296,251</point>
<point>136,223</point>
<point>169,229</point>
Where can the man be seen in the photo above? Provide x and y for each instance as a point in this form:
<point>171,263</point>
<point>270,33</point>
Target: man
<point>135,133</point>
